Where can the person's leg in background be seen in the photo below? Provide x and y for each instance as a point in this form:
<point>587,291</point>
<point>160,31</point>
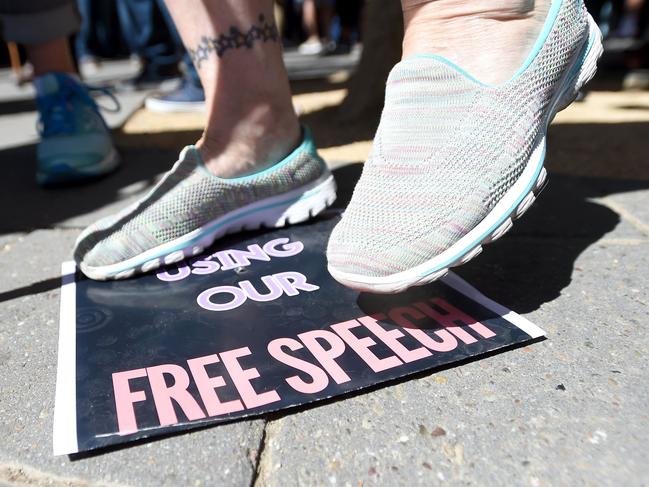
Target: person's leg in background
<point>189,96</point>
<point>293,26</point>
<point>88,62</point>
<point>254,165</point>
<point>99,35</point>
<point>637,58</point>
<point>75,142</point>
<point>325,16</point>
<point>349,12</point>
<point>312,43</point>
<point>459,151</point>
<point>51,56</point>
<point>147,35</point>
<point>316,19</point>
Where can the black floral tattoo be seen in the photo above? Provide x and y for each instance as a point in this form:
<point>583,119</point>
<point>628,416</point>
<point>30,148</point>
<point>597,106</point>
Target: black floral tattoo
<point>264,32</point>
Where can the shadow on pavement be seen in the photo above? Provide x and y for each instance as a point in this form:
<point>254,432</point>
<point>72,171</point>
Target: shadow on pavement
<point>11,107</point>
<point>26,207</point>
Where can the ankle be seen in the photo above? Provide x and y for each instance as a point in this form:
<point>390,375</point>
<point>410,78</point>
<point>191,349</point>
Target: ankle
<point>257,140</point>
<point>487,38</point>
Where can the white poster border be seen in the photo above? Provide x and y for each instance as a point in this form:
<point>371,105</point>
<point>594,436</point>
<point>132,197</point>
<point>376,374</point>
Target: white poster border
<point>65,402</point>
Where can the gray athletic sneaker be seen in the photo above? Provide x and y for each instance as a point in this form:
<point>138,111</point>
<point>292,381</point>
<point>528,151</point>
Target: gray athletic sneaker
<point>455,160</point>
<point>190,208</point>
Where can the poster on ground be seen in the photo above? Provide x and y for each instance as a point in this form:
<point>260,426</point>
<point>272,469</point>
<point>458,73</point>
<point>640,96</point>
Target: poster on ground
<point>255,325</point>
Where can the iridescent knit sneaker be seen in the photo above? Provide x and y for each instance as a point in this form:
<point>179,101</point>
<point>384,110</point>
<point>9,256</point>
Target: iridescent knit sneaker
<point>75,142</point>
<point>190,208</point>
<point>456,160</point>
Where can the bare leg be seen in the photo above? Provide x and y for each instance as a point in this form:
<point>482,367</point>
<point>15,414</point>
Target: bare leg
<point>488,38</point>
<point>52,56</point>
<point>326,13</point>
<point>251,123</point>
<point>310,20</point>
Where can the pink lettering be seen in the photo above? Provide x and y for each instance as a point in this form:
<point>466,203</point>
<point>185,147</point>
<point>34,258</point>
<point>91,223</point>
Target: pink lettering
<point>125,398</point>
<point>362,347</point>
<point>452,317</point>
<point>207,385</point>
<point>326,357</point>
<point>163,394</point>
<point>398,315</point>
<point>242,377</point>
<point>391,339</point>
<point>319,379</point>
<point>455,315</point>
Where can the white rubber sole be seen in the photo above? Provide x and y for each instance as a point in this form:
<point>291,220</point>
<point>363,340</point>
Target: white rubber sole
<point>292,207</point>
<point>516,201</point>
<point>161,106</point>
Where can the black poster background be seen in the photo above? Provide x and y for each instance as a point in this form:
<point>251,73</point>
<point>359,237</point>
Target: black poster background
<point>143,322</point>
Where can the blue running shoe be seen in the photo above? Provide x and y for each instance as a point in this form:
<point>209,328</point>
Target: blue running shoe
<point>75,141</point>
<point>188,97</point>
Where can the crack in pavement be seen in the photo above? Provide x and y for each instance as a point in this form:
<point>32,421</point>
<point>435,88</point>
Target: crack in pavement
<point>264,467</point>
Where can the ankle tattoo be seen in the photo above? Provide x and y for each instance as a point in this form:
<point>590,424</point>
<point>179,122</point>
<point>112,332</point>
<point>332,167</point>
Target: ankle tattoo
<point>235,39</point>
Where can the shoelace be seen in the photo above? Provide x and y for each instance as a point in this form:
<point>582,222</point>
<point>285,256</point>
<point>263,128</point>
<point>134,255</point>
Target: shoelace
<point>57,114</point>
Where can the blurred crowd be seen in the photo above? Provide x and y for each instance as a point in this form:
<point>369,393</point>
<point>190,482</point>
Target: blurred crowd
<point>621,18</point>
<point>144,31</point>
<point>625,25</point>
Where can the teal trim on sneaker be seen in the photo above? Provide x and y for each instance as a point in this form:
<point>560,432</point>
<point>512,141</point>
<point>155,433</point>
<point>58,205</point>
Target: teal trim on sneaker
<point>450,64</point>
<point>549,23</point>
<point>307,145</point>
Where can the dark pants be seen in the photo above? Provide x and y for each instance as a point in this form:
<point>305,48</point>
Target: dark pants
<point>147,30</point>
<point>190,71</point>
<point>37,21</point>
<point>147,33</point>
<point>99,34</point>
